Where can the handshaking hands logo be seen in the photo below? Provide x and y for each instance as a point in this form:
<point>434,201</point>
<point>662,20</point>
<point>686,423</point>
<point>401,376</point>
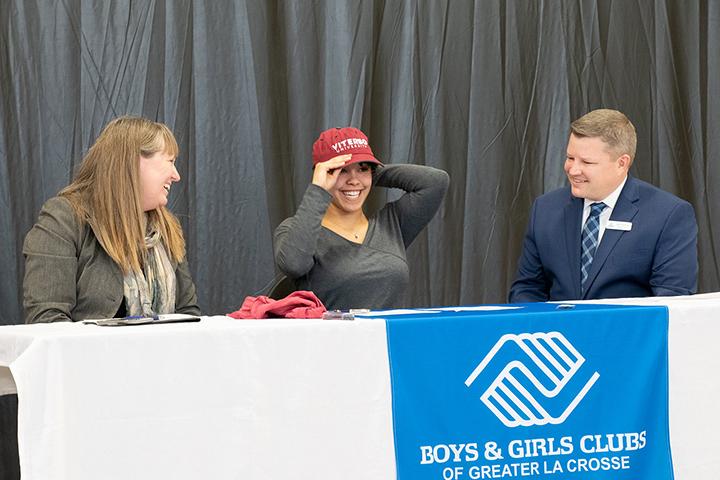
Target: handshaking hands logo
<point>535,383</point>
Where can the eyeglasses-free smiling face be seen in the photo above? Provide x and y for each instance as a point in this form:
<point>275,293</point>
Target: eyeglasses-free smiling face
<point>352,187</point>
<point>157,173</point>
<point>593,169</point>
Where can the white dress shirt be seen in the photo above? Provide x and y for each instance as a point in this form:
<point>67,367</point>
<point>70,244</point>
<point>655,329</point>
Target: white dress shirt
<point>610,201</point>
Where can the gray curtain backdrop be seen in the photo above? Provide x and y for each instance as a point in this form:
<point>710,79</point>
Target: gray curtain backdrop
<point>484,89</point>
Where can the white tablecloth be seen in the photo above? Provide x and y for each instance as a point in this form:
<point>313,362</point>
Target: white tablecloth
<point>219,399</point>
<point>694,375</point>
<point>268,399</point>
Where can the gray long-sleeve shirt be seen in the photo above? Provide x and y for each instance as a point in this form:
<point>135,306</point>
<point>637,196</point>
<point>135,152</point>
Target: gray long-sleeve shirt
<point>374,274</point>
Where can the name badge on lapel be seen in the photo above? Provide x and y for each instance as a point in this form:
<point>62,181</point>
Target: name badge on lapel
<point>618,225</point>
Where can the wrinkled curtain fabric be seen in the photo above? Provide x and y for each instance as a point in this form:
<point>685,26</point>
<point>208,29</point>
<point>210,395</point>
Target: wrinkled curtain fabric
<point>483,89</point>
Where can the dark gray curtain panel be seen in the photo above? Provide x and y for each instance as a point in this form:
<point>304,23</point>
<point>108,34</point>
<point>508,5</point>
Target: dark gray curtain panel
<point>484,89</point>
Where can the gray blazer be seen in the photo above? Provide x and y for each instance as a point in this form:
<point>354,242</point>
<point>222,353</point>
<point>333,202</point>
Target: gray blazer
<point>70,277</point>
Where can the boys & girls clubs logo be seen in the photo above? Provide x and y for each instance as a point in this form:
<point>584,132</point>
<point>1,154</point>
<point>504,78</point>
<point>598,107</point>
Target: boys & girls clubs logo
<point>534,382</point>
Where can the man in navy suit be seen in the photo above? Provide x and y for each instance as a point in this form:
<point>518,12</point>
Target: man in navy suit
<point>607,235</point>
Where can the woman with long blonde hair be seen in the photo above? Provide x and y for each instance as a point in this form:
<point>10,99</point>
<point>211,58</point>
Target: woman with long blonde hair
<point>107,246</point>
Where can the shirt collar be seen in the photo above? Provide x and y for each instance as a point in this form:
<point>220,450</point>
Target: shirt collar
<point>610,200</point>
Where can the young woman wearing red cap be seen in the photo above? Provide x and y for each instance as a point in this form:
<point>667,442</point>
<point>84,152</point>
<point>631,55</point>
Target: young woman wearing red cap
<point>332,248</point>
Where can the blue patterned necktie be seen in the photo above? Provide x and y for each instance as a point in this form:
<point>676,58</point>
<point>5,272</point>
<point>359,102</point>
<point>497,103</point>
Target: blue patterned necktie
<point>589,239</point>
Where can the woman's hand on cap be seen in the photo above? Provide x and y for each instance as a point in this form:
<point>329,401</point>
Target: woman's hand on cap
<point>326,173</point>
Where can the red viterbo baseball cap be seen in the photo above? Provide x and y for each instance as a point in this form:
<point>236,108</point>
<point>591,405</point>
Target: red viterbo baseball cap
<point>341,141</point>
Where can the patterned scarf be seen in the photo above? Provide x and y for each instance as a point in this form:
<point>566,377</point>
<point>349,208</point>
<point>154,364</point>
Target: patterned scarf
<point>152,291</point>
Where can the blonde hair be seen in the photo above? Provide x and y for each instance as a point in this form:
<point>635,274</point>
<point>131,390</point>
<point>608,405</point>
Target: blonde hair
<point>611,126</point>
<point>105,192</point>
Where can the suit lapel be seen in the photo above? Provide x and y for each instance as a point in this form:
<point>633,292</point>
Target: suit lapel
<point>573,216</point>
<point>624,211</point>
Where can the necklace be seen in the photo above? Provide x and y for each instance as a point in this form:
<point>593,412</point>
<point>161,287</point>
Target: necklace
<point>344,231</point>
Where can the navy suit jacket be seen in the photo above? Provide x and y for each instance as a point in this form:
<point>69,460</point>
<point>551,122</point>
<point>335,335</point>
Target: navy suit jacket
<point>657,257</point>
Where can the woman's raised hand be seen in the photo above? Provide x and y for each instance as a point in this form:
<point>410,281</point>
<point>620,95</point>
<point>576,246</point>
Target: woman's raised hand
<point>326,173</point>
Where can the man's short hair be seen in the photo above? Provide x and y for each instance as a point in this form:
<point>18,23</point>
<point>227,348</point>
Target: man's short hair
<point>611,126</point>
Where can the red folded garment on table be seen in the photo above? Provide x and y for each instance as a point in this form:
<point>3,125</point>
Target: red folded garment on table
<point>300,304</point>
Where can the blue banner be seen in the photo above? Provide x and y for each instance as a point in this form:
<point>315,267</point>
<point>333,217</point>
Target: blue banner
<point>541,392</point>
